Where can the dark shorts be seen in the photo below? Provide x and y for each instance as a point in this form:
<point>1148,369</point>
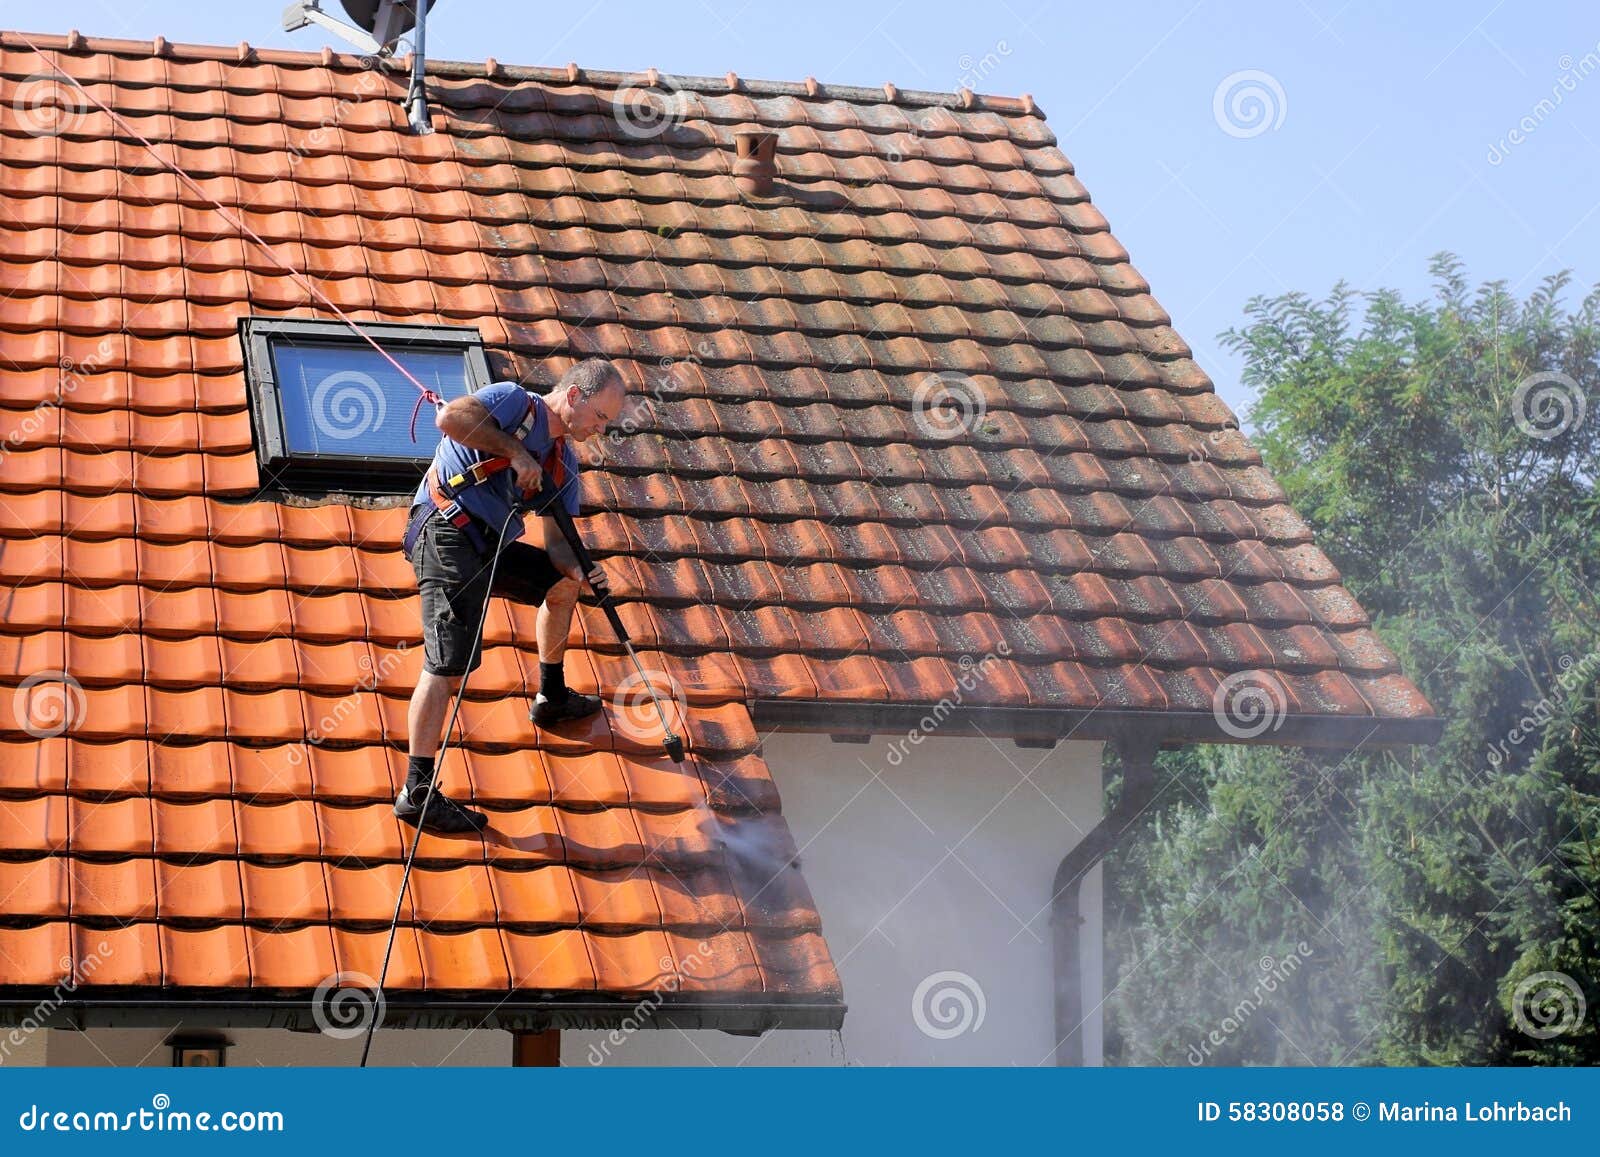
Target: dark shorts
<point>453,579</point>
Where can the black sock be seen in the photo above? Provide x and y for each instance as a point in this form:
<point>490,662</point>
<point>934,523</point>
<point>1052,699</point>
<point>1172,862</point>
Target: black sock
<point>552,682</point>
<point>419,771</point>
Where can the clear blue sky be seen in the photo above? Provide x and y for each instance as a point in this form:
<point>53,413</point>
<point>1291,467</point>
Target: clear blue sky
<point>1381,156</point>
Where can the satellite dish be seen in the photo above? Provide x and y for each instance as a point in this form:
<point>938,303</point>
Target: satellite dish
<point>387,20</point>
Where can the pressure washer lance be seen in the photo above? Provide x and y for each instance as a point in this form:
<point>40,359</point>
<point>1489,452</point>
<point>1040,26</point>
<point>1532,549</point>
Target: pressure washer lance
<point>670,741</point>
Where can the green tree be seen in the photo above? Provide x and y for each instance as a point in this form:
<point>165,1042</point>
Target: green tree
<point>1444,452</point>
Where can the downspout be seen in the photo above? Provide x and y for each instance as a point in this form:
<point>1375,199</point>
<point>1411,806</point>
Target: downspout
<point>1138,788</point>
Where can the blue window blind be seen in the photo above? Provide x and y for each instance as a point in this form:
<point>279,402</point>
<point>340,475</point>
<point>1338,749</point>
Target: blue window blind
<point>349,401</point>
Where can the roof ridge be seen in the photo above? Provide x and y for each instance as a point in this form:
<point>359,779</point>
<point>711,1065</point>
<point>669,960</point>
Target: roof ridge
<point>962,100</point>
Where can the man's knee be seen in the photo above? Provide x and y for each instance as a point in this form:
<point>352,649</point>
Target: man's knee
<point>432,684</point>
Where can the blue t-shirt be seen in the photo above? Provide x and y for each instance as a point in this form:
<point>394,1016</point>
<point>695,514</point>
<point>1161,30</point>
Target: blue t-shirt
<point>492,500</point>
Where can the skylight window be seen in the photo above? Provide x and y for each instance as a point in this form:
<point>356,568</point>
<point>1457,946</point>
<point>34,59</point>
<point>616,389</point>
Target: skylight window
<point>331,412</point>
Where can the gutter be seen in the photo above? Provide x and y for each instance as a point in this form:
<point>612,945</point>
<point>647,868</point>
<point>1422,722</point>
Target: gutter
<point>1066,919</point>
<point>221,1010</point>
<point>1049,725</point>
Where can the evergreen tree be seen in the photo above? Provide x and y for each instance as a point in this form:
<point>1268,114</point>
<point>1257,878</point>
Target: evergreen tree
<point>1445,455</point>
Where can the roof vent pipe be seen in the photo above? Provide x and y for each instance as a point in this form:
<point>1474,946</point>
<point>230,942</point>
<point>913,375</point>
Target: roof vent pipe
<point>755,164</point>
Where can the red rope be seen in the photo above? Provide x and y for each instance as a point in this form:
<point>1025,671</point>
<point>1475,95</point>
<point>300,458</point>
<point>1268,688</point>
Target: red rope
<point>299,278</point>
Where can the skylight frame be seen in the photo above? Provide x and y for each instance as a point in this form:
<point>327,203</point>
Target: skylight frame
<point>285,467</point>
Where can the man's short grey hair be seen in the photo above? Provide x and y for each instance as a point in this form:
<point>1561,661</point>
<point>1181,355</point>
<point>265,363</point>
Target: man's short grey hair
<point>591,376</point>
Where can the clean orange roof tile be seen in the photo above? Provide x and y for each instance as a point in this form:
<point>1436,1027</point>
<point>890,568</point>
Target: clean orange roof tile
<point>97,659</point>
<point>345,775</point>
<point>334,668</point>
<point>471,960</point>
<point>100,713</point>
<point>285,831</point>
<point>116,890</point>
<point>182,662</point>
<point>35,888</point>
<point>264,715</point>
<point>270,774</point>
<point>591,780</point>
<point>528,835</point>
<point>199,892</point>
<point>362,952</point>
<point>33,955</point>
<point>294,958</point>
<point>616,899</point>
<point>556,961</point>
<point>354,717</point>
<point>30,767</point>
<point>111,827</point>
<point>362,834</point>
<point>205,958</point>
<point>187,830</point>
<point>128,956</point>
<point>259,664</point>
<point>533,897</point>
<point>34,825</point>
<point>605,838</point>
<point>367,895</point>
<point>108,769</point>
<point>185,715</point>
<point>453,896</point>
<point>633,962</point>
<point>513,778</point>
<point>189,770</point>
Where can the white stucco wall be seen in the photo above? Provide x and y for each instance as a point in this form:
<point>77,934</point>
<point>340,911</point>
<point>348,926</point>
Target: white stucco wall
<point>923,859</point>
<point>132,1047</point>
<point>939,862</point>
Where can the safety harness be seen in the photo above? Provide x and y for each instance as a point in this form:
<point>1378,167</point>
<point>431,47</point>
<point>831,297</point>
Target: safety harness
<point>445,493</point>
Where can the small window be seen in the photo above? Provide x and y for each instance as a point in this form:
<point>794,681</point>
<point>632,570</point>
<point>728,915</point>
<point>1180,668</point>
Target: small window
<point>330,412</point>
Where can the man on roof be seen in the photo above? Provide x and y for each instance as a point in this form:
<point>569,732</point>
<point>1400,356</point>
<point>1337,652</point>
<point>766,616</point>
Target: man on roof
<point>453,530</point>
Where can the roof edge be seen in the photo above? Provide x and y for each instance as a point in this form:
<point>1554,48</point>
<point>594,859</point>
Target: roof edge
<point>743,1016</point>
<point>961,101</point>
<point>1034,726</point>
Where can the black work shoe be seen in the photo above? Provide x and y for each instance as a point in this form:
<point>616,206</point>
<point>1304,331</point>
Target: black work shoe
<point>445,816</point>
<point>574,706</point>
